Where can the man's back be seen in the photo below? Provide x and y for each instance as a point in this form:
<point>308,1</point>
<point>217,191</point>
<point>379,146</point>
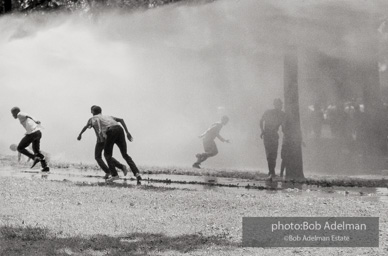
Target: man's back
<point>104,121</point>
<point>213,131</point>
<point>27,123</point>
<point>93,124</point>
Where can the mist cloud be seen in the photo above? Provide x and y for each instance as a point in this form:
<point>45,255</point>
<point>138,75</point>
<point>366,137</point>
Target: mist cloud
<point>169,72</point>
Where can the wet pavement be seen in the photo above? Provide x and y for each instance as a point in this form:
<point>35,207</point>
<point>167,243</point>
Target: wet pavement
<point>226,185</point>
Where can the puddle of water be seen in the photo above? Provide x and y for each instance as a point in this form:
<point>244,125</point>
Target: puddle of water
<point>227,185</point>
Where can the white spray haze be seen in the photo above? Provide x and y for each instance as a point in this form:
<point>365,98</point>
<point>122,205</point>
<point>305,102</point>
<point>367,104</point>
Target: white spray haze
<point>169,72</point>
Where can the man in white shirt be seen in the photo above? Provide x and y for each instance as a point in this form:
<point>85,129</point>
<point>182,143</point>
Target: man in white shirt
<point>208,141</point>
<point>32,136</point>
<point>109,128</point>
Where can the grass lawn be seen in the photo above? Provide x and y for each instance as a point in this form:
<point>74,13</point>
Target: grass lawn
<point>41,217</point>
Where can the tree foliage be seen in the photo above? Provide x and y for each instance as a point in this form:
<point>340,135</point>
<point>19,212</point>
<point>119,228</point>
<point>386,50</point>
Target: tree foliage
<point>71,5</point>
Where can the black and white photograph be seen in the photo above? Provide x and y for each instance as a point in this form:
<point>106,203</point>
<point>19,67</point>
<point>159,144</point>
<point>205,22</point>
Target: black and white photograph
<point>193,127</point>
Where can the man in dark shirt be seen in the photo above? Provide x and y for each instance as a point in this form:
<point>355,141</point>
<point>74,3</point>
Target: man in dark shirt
<point>99,148</point>
<point>269,124</point>
<point>208,141</point>
<point>111,128</point>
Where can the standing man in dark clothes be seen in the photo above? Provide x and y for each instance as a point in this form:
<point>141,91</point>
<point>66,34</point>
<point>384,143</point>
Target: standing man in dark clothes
<point>109,128</point>
<point>33,135</point>
<point>269,124</point>
<point>100,147</point>
<point>208,141</point>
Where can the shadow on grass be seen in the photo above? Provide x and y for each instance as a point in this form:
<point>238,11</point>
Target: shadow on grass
<point>37,241</point>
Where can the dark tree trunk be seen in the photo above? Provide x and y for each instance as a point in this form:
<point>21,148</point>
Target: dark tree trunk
<point>292,130</point>
<point>7,6</point>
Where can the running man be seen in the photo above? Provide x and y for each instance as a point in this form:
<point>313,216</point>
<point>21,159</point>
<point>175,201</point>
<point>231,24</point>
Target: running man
<point>208,141</point>
<point>100,143</point>
<point>32,136</point>
<point>109,128</point>
<point>270,122</point>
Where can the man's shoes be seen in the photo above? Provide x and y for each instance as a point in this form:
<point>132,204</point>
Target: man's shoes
<point>36,160</point>
<point>271,177</point>
<point>46,169</point>
<point>113,178</point>
<point>196,165</point>
<point>107,175</point>
<point>139,179</point>
<point>125,170</point>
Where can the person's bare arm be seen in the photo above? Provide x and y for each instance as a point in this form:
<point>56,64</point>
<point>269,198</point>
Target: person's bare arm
<point>262,127</point>
<point>121,121</point>
<point>88,125</point>
<point>36,121</point>
<point>222,139</point>
<point>82,131</point>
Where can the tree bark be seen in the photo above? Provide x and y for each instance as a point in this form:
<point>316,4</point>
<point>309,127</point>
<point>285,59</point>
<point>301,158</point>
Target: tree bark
<point>292,130</point>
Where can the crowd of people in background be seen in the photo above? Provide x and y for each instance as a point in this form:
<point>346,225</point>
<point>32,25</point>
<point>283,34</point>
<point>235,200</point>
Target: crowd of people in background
<point>346,122</point>
<point>332,131</point>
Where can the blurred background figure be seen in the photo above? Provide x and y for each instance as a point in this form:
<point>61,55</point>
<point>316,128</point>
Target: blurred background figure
<point>317,120</point>
<point>209,144</point>
<point>270,123</point>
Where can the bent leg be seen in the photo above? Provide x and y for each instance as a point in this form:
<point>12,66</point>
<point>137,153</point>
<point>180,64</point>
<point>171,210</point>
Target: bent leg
<point>108,151</point>
<point>98,157</point>
<point>117,163</point>
<point>36,148</point>
<point>36,136</point>
<point>271,150</point>
<point>122,144</point>
<point>23,144</point>
<point>210,151</point>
